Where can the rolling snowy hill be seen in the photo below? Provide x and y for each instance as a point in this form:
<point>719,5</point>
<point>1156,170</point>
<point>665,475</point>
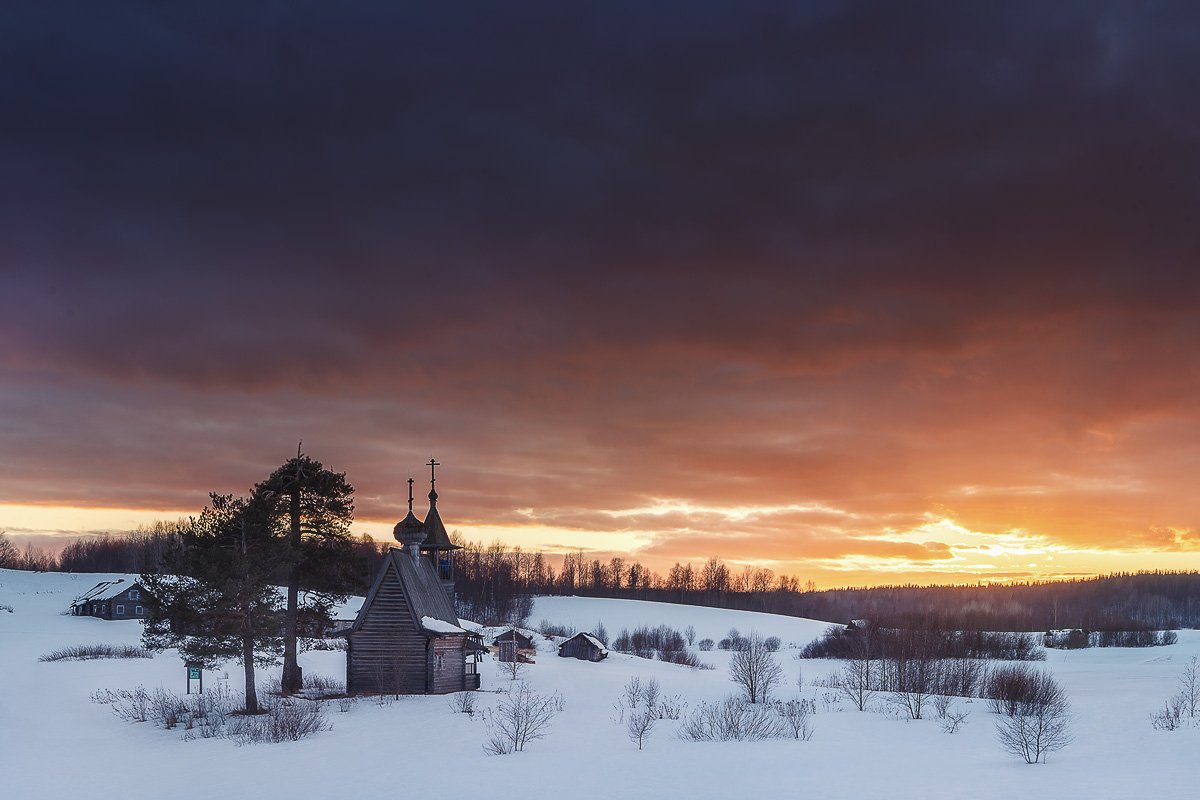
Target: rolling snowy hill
<point>56,743</point>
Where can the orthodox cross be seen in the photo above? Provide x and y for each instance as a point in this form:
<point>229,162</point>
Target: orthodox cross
<point>433,465</point>
<point>410,483</point>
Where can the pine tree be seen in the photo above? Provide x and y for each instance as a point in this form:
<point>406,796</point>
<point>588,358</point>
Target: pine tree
<point>216,598</point>
<point>312,508</point>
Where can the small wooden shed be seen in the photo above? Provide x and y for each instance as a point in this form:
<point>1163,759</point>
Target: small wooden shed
<point>514,645</point>
<point>583,646</point>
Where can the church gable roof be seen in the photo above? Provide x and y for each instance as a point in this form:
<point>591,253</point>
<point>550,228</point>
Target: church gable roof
<point>431,609</point>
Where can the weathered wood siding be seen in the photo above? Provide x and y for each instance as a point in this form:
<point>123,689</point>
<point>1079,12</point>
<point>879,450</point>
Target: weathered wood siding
<point>130,605</point>
<point>450,675</point>
<point>578,647</point>
<point>388,653</point>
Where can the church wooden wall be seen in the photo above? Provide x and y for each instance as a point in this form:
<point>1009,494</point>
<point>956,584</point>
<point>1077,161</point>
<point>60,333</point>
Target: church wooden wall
<point>387,654</point>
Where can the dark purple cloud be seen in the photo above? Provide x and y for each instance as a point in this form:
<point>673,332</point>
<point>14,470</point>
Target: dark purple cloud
<point>738,254</point>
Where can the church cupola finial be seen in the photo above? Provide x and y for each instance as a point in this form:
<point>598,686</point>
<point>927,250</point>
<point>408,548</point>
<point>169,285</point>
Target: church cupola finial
<point>410,496</point>
<point>433,465</point>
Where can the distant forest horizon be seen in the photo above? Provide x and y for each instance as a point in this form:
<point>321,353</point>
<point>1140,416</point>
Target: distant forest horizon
<point>495,584</point>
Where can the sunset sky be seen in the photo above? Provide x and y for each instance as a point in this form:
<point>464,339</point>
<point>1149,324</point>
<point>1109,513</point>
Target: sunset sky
<point>860,292</point>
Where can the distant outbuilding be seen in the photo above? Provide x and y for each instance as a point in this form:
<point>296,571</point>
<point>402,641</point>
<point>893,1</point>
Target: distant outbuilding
<point>112,600</point>
<point>583,646</point>
<point>515,645</point>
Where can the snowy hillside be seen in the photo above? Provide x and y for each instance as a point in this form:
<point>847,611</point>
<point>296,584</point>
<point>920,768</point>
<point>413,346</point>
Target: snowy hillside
<point>56,743</point>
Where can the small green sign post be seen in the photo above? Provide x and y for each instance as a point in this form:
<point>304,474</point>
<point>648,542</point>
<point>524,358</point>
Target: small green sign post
<point>194,673</point>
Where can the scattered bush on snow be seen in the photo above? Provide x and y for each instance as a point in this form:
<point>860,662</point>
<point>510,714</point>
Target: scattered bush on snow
<point>1040,722</point>
<point>214,714</point>
<point>731,719</point>
<point>521,717</point>
<point>87,652</point>
<point>463,703</point>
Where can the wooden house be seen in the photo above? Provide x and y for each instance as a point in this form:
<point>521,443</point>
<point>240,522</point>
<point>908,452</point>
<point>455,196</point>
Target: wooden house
<point>112,600</point>
<point>583,646</point>
<point>406,638</point>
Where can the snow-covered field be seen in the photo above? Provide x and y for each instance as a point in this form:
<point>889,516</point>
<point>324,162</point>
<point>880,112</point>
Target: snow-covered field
<point>56,743</point>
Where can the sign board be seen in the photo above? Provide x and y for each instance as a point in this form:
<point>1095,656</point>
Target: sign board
<point>195,672</point>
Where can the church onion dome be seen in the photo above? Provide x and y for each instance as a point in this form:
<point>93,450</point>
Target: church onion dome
<point>410,530</point>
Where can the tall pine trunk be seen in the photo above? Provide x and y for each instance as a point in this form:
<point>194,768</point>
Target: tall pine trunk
<point>292,681</point>
<point>248,663</point>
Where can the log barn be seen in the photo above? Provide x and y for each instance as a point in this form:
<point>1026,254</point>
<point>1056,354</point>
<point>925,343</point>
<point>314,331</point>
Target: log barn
<point>583,646</point>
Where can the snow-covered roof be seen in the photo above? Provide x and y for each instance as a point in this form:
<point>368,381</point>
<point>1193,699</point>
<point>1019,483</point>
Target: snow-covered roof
<point>592,640</point>
<point>100,591</point>
<point>434,625</point>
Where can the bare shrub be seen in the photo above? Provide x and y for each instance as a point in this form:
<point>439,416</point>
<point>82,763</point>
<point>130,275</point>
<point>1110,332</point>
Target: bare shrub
<point>796,716</point>
<point>1171,716</point>
<point>344,704</point>
<point>640,726</point>
<point>856,681</point>
<point>212,714</point>
<point>706,644</point>
<point>167,708</point>
<point>754,668</point>
<point>601,633</point>
<point>547,628</point>
<point>915,680</point>
<point>953,721</point>
<point>463,703</point>
<point>306,645</point>
<point>1009,686</point>
<point>633,691</point>
<point>963,677</point>
<point>1040,723</point>
<point>1189,683</point>
<point>669,707</point>
<point>523,716</point>
<point>731,719</point>
<point>323,686</point>
<point>690,634</point>
<point>682,657</point>
<point>773,643</point>
<point>290,720</point>
<point>512,669</point>
<point>87,652</point>
<point>646,642</point>
<point>131,705</point>
<point>650,692</point>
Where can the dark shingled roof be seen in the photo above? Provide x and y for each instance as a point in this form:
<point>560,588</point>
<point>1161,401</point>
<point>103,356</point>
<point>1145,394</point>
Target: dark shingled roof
<point>425,594</point>
<point>106,590</point>
<point>436,537</point>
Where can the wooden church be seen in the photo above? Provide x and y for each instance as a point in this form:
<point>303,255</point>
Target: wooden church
<point>406,638</point>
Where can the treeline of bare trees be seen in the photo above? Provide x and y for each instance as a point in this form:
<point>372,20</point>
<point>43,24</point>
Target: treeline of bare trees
<point>143,549</point>
<point>488,576</point>
<point>493,581</point>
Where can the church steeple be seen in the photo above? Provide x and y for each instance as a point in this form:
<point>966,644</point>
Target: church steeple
<point>436,537</point>
<point>438,546</point>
